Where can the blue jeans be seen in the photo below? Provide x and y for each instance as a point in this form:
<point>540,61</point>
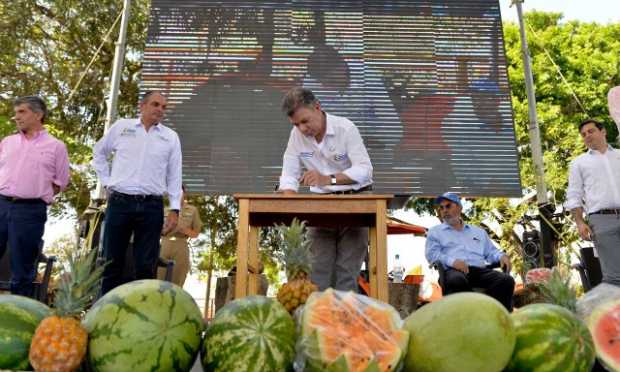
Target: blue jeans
<point>125,215</point>
<point>21,228</point>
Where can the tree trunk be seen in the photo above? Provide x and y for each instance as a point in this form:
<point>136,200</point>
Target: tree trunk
<point>225,290</point>
<point>404,297</point>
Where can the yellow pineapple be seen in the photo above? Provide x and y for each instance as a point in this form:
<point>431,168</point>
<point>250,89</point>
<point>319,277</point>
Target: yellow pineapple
<point>297,258</point>
<point>59,342</point>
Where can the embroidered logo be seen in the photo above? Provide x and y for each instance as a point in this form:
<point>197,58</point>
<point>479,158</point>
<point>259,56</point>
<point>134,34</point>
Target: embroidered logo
<point>306,155</point>
<point>128,132</point>
<point>340,157</point>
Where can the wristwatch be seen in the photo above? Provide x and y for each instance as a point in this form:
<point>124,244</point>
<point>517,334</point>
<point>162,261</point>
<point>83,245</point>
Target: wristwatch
<point>333,179</point>
<point>175,210</point>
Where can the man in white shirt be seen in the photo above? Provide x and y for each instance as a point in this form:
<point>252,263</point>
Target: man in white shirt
<point>327,153</point>
<point>594,187</point>
<point>146,165</point>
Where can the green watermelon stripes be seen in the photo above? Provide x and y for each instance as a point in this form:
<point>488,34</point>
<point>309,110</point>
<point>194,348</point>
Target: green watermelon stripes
<point>250,334</point>
<point>19,318</point>
<point>147,325</point>
<point>550,338</point>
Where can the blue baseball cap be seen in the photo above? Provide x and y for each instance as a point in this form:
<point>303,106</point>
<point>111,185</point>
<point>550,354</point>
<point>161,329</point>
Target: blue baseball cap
<point>449,196</point>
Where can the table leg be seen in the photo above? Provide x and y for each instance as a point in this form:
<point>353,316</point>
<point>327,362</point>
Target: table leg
<point>242,249</point>
<point>254,261</point>
<point>372,261</point>
<point>382,278</point>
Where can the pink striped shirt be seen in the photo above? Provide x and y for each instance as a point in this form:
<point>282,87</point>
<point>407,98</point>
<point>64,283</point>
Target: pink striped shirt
<point>29,167</point>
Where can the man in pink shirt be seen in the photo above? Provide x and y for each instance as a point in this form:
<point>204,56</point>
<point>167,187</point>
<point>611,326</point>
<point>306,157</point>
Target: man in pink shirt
<point>34,166</point>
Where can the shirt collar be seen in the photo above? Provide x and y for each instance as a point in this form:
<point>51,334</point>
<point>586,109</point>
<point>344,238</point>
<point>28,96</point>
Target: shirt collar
<point>445,226</point>
<point>39,134</point>
<point>594,152</point>
<point>329,126</point>
<point>157,126</point>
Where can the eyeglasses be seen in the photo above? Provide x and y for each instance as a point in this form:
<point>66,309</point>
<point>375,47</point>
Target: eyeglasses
<point>445,206</point>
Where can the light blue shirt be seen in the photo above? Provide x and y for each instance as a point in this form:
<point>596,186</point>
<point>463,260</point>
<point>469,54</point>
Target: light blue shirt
<point>471,245</point>
<point>144,163</point>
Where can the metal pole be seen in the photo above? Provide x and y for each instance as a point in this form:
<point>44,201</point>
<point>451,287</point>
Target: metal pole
<point>115,80</point>
<point>537,158</point>
<point>544,209</point>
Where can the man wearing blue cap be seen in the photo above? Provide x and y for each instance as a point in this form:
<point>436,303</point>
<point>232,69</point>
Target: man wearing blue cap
<point>464,251</point>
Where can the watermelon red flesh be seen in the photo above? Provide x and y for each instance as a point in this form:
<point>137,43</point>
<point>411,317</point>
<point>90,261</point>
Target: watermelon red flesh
<point>19,317</point>
<point>605,328</point>
<point>253,333</point>
<point>550,338</point>
<point>144,325</point>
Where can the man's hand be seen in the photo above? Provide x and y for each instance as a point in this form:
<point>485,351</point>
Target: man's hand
<point>504,262</point>
<point>584,231</point>
<point>461,266</point>
<point>170,223</point>
<point>314,178</point>
<point>56,188</point>
<point>288,192</point>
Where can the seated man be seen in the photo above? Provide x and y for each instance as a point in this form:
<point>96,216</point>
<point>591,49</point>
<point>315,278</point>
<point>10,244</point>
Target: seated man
<point>464,251</point>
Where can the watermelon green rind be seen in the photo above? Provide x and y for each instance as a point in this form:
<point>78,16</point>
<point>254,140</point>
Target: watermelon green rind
<point>253,333</point>
<point>611,311</point>
<point>144,325</point>
<point>461,332</point>
<point>550,338</point>
<point>19,318</point>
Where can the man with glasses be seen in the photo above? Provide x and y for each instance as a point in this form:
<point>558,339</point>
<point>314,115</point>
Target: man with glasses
<point>464,251</point>
<point>34,166</point>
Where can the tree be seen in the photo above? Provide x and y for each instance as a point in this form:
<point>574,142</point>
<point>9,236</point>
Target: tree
<point>44,48</point>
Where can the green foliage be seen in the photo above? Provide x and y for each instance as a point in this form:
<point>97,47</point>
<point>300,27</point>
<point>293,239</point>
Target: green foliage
<point>50,45</point>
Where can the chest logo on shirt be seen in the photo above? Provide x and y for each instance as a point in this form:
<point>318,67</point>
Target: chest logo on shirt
<point>340,157</point>
<point>128,132</point>
<point>306,155</point>
<point>162,138</point>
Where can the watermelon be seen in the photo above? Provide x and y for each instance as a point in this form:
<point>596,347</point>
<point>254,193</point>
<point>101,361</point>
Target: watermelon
<point>19,317</point>
<point>604,323</point>
<point>550,338</point>
<point>344,331</point>
<point>249,334</point>
<point>461,332</point>
<point>538,276</point>
<point>145,325</point>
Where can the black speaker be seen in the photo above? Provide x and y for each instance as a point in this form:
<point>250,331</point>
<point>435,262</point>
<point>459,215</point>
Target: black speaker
<point>531,247</point>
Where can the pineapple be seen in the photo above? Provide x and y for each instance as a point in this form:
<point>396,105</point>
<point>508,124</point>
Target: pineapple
<point>557,290</point>
<point>297,259</point>
<point>59,343</point>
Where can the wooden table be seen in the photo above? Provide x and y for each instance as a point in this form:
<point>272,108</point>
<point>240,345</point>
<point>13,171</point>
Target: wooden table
<point>257,210</point>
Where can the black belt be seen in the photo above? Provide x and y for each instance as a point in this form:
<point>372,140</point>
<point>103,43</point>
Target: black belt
<point>120,195</point>
<point>345,192</point>
<point>13,199</point>
<point>607,211</point>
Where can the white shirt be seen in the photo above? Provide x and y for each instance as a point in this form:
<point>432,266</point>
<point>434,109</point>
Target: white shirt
<point>144,163</point>
<point>594,178</point>
<point>342,150</point>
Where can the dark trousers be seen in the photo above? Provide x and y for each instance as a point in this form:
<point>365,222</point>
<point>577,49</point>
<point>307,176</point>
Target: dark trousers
<point>21,229</point>
<point>496,284</point>
<point>144,218</point>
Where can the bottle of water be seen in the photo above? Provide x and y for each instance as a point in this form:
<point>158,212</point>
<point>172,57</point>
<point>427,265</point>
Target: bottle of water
<point>398,270</point>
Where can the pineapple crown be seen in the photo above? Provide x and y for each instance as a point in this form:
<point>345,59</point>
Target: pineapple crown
<point>295,251</point>
<point>80,281</point>
<point>557,290</point>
